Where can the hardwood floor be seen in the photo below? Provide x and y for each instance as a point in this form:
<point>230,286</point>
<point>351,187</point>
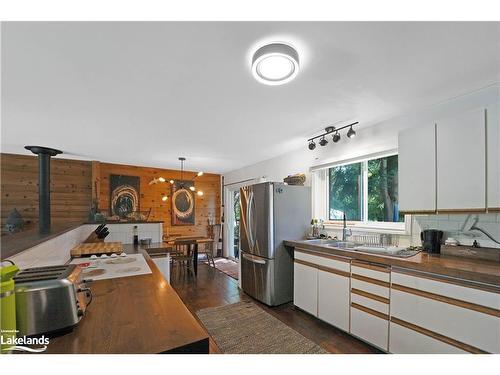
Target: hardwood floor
<point>213,288</point>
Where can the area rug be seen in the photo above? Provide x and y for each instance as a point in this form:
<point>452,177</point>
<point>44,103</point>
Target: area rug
<point>245,328</point>
<point>227,266</point>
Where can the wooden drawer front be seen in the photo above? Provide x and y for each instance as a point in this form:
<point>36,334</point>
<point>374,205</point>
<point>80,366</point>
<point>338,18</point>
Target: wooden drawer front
<point>340,265</point>
<point>467,326</point>
<point>404,340</point>
<point>366,286</point>
<point>370,328</point>
<point>333,299</point>
<point>305,288</point>
<point>370,303</point>
<point>371,271</point>
<point>448,289</point>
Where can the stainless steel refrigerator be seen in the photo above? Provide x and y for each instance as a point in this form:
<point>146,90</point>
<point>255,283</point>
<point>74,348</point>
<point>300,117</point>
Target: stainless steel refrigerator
<point>270,213</point>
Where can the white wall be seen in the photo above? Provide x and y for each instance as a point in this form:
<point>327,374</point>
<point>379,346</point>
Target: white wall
<point>377,138</point>
<point>55,251</point>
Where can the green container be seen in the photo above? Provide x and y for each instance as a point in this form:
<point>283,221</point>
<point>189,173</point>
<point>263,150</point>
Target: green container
<point>7,306</point>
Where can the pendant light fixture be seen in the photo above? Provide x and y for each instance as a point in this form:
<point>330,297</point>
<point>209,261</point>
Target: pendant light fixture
<point>182,184</point>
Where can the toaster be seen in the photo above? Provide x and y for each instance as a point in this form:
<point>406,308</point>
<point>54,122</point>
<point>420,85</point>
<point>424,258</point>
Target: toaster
<point>50,300</point>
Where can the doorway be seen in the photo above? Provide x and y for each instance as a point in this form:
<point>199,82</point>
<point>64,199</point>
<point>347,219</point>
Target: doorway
<point>233,223</point>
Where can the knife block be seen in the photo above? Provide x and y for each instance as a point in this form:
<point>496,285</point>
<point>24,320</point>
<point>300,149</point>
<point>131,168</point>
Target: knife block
<point>93,238</point>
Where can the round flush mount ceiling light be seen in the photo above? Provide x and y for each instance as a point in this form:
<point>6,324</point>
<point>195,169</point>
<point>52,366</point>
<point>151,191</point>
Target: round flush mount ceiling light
<point>275,64</point>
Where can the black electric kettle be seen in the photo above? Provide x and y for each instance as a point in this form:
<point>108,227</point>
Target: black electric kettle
<point>431,240</point>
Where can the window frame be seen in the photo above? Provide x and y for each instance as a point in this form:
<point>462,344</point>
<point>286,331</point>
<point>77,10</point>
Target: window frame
<point>365,225</point>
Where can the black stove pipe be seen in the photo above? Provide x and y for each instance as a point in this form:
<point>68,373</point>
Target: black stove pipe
<point>44,155</point>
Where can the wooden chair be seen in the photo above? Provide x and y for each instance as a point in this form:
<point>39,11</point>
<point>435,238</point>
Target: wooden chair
<point>182,255</point>
<point>211,247</point>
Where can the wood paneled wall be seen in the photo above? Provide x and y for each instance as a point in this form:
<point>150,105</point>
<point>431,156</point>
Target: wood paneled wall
<point>150,195</point>
<point>71,188</point>
<point>75,183</point>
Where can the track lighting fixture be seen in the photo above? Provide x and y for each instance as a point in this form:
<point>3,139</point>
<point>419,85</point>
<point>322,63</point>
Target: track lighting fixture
<point>351,133</point>
<point>336,136</point>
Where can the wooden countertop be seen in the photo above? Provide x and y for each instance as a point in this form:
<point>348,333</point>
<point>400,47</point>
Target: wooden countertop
<point>481,271</point>
<point>136,314</point>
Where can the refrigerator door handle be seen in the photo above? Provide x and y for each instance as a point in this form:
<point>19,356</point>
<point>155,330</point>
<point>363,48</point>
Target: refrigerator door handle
<point>250,220</point>
<point>253,259</point>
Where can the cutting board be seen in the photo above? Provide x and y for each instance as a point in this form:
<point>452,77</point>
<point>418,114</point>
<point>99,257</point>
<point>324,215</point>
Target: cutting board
<point>96,248</point>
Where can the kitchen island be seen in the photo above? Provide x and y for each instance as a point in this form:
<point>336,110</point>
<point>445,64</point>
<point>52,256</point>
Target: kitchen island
<point>134,315</point>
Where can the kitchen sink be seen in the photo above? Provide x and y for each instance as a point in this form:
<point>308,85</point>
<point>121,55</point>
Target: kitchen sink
<point>321,241</point>
<point>343,245</point>
<point>392,251</point>
<point>332,243</point>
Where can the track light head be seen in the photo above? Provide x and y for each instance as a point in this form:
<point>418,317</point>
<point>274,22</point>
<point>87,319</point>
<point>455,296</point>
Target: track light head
<point>336,137</point>
<point>312,145</point>
<point>164,198</point>
<point>351,133</point>
<point>323,141</point>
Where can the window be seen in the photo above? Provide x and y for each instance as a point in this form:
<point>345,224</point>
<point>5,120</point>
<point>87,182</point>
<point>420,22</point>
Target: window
<point>344,192</point>
<point>365,191</point>
<point>383,189</point>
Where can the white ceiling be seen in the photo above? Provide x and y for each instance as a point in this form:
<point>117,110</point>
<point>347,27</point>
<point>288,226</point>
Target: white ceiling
<point>145,93</point>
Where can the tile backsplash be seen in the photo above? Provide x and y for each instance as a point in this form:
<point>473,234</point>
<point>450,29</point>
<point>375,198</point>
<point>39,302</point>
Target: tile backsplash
<point>459,226</point>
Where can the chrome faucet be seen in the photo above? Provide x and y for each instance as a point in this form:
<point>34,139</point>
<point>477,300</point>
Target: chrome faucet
<point>345,231</point>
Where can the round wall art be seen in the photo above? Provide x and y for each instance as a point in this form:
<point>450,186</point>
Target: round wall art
<point>182,204</point>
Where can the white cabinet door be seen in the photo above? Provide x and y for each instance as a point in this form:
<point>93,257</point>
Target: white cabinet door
<point>305,288</point>
<point>333,299</point>
<point>417,169</point>
<point>403,340</point>
<point>461,161</point>
<point>163,265</point>
<point>493,157</point>
<point>370,328</point>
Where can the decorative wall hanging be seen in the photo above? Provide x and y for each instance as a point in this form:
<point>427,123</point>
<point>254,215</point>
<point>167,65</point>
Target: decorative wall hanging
<point>183,204</point>
<point>124,195</point>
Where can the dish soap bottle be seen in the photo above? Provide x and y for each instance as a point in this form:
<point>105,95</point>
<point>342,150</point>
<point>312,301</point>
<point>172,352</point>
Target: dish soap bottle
<point>136,236</point>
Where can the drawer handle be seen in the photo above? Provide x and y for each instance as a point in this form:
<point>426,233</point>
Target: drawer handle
<point>437,336</point>
<point>448,300</point>
<point>370,280</point>
<point>367,310</point>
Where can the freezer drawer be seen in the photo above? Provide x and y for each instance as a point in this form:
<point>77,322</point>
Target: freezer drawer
<point>257,277</point>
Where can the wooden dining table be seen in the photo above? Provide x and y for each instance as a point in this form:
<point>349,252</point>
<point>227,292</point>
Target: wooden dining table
<point>190,241</point>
